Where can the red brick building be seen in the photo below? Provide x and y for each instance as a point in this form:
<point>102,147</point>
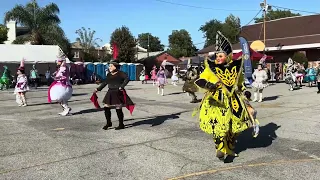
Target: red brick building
<point>166,56</point>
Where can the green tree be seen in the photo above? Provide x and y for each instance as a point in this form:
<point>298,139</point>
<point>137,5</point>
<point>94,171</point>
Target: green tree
<point>42,22</point>
<point>277,14</point>
<point>86,39</point>
<point>154,42</point>
<point>3,33</point>
<point>126,43</point>
<point>180,44</point>
<point>230,28</point>
<point>106,58</point>
<point>300,58</point>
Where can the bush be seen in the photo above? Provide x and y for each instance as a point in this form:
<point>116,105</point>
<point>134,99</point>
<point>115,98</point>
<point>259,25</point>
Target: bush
<point>300,58</point>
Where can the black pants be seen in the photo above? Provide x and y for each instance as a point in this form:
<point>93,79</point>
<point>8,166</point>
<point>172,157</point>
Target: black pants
<point>34,83</point>
<point>318,86</point>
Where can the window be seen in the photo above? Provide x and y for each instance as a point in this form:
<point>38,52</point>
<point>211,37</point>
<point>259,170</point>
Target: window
<point>76,54</point>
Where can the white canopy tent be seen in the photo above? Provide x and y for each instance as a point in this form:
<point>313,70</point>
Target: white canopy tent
<point>14,53</point>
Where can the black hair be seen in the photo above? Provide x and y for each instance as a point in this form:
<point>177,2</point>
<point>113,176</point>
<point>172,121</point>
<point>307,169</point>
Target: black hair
<point>247,94</point>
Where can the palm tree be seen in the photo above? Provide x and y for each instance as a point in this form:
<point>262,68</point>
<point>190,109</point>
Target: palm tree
<point>42,22</point>
<point>86,39</point>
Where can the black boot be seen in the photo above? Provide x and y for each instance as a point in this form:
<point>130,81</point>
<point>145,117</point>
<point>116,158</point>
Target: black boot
<point>107,113</point>
<point>194,98</point>
<point>220,155</point>
<point>120,116</point>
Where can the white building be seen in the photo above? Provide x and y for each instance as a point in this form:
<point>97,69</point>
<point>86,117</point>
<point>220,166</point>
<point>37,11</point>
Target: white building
<point>15,32</point>
<point>14,53</point>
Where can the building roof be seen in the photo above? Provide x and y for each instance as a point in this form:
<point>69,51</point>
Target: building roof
<point>282,32</point>
<point>143,55</point>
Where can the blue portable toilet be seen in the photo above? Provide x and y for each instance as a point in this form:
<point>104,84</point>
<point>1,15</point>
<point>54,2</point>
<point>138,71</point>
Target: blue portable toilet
<point>89,70</point>
<point>100,69</point>
<point>132,72</point>
<point>125,68</point>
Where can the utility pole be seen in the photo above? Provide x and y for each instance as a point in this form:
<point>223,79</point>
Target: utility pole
<point>264,20</point>
<point>148,44</point>
<point>137,44</point>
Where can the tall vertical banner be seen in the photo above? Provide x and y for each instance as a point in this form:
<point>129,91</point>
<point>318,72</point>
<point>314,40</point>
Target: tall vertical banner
<point>115,51</point>
<point>246,58</point>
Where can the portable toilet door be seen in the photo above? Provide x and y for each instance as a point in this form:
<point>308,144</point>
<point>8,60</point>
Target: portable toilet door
<point>124,68</point>
<point>100,71</point>
<point>89,70</point>
<point>132,72</point>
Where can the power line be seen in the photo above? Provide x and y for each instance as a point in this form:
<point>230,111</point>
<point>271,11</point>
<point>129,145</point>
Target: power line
<point>251,21</point>
<point>294,9</point>
<point>253,18</point>
<point>240,29</point>
<point>199,7</point>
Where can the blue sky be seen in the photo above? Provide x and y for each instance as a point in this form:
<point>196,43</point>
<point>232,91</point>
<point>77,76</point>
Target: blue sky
<point>153,16</point>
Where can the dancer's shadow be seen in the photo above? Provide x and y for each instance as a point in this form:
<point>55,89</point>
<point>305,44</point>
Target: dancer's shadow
<point>270,98</point>
<point>86,111</point>
<point>80,94</point>
<point>246,141</point>
<point>175,93</point>
<point>46,103</point>
<point>155,121</point>
<point>133,89</point>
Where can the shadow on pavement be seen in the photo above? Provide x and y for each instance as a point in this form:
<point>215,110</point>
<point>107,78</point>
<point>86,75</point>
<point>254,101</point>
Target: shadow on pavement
<point>46,103</point>
<point>86,111</point>
<point>246,141</point>
<point>175,93</point>
<point>155,120</point>
<point>79,94</point>
<point>271,98</point>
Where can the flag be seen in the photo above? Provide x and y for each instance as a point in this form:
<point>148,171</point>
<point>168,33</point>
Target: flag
<point>115,51</point>
<point>127,101</point>
<point>246,57</point>
<point>94,100</point>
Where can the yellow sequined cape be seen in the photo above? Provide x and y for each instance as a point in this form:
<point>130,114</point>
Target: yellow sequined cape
<point>223,111</point>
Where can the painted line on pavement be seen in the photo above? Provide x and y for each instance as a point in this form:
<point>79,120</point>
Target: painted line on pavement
<point>243,166</point>
<point>305,153</point>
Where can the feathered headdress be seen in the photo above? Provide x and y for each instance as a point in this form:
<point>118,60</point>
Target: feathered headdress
<point>21,67</point>
<point>61,58</point>
<point>262,61</point>
<point>290,61</point>
<point>222,44</point>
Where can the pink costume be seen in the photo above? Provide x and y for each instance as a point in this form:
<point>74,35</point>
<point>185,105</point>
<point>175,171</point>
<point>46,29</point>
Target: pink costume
<point>21,86</point>
<point>61,89</point>
<point>154,73</point>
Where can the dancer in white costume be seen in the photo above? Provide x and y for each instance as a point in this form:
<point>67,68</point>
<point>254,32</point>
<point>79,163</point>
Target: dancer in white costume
<point>174,76</point>
<point>260,78</point>
<point>61,89</point>
<point>21,87</point>
<point>290,78</point>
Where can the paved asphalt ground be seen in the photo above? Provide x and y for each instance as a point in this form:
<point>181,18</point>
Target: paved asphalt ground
<point>161,141</point>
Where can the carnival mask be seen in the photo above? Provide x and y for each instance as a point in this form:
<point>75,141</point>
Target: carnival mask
<point>221,58</point>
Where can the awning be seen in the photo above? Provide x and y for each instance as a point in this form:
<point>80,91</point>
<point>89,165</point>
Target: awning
<point>254,55</point>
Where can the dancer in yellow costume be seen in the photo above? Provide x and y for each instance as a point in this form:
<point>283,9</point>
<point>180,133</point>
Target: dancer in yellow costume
<point>222,110</point>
